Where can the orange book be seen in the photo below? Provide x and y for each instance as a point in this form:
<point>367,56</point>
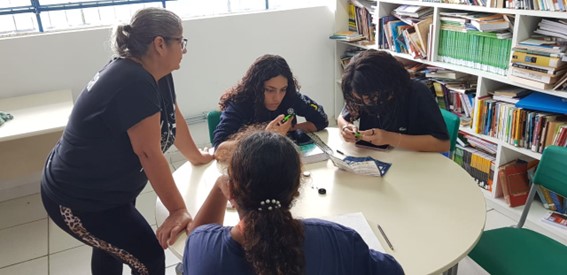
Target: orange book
<point>513,178</point>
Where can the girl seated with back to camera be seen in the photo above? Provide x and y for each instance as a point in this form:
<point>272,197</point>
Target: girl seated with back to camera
<point>268,240</point>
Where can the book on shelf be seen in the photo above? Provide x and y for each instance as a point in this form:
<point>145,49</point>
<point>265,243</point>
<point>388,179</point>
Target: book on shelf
<point>535,59</point>
<point>531,83</point>
<point>539,69</point>
<point>536,76</point>
<point>348,36</point>
<point>556,218</point>
<point>513,179</point>
<point>479,164</point>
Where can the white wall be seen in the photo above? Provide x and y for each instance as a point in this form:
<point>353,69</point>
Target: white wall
<point>219,51</point>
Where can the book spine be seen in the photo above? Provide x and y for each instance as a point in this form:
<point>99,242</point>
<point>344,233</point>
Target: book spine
<point>539,60</point>
<point>532,68</point>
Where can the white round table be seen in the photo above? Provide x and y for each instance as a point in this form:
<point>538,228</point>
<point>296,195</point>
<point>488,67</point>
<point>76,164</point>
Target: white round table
<point>431,210</point>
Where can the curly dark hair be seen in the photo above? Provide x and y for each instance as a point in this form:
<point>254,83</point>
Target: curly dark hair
<point>378,76</point>
<point>251,87</point>
<point>264,166</point>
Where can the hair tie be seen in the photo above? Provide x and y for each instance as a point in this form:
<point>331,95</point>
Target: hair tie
<point>127,29</point>
<point>269,204</point>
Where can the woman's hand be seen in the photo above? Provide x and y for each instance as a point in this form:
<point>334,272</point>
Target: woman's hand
<point>277,126</point>
<point>206,156</point>
<point>176,222</point>
<point>348,132</point>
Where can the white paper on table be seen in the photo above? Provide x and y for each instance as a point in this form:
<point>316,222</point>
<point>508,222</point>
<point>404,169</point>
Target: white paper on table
<point>358,222</point>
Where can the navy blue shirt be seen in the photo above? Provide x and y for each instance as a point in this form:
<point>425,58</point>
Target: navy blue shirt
<point>418,114</point>
<point>329,249</point>
<point>93,166</point>
<point>237,115</point>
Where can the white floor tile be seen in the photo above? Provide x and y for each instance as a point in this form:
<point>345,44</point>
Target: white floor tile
<point>146,204</point>
<point>495,219</point>
<point>148,187</point>
<point>76,261</point>
<point>23,242</point>
<point>37,267</point>
<point>59,240</point>
<point>21,210</point>
<point>469,267</point>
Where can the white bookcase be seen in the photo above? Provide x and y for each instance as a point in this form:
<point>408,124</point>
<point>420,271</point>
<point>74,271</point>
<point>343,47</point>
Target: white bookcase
<point>525,23</point>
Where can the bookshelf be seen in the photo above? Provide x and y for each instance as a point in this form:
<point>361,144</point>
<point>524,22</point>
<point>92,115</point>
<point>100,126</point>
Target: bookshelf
<point>525,22</point>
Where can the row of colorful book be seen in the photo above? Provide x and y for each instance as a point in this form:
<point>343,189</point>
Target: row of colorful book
<point>476,40</point>
<point>539,5</point>
<point>455,95</point>
<point>360,18</point>
<point>533,130</point>
<point>479,164</point>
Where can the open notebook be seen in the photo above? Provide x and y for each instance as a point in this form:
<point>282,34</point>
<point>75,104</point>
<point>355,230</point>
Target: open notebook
<point>358,222</point>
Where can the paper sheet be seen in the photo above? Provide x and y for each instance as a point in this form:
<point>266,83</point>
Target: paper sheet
<point>358,222</point>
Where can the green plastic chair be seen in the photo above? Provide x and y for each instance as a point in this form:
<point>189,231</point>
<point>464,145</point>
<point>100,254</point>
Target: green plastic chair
<point>517,250</point>
<point>452,121</point>
<point>213,119</point>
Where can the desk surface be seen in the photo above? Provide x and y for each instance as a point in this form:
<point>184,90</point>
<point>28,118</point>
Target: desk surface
<point>36,114</point>
<point>431,209</point>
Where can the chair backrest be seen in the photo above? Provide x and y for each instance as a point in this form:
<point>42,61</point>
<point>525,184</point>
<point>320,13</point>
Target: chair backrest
<point>452,121</point>
<point>551,173</point>
<point>213,119</point>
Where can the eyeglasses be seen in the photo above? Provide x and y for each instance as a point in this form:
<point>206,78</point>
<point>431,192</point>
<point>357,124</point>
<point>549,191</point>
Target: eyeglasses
<point>181,40</point>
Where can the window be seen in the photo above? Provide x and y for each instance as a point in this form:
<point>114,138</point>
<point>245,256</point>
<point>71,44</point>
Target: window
<point>29,16</point>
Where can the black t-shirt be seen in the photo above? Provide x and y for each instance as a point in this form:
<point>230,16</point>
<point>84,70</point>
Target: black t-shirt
<point>237,115</point>
<point>93,166</point>
<point>418,115</point>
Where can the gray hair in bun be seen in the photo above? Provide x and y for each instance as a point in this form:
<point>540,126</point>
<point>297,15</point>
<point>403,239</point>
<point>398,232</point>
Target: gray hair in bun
<point>133,39</point>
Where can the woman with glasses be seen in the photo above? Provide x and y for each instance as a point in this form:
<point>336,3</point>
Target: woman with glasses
<point>268,239</point>
<point>392,109</point>
<point>122,123</point>
<point>267,93</point>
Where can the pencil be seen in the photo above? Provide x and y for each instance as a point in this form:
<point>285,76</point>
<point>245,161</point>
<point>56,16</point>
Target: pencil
<point>385,237</point>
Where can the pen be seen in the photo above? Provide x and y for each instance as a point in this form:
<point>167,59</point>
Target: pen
<point>338,151</point>
<point>385,237</point>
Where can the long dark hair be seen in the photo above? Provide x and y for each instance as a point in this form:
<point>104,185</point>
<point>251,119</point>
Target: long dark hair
<point>251,87</point>
<point>378,76</point>
<point>266,166</point>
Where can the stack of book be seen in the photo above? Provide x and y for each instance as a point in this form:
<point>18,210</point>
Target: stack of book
<point>537,62</point>
<point>349,36</point>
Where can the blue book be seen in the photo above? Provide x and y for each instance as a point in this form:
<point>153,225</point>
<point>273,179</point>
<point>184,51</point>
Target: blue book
<point>543,102</point>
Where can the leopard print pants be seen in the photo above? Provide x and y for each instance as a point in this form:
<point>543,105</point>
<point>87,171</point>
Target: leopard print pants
<point>75,225</point>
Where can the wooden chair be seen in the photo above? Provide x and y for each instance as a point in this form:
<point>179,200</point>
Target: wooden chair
<point>517,250</point>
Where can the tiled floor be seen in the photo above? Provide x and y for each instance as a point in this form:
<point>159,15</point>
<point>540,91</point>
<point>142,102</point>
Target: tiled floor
<point>31,244</point>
